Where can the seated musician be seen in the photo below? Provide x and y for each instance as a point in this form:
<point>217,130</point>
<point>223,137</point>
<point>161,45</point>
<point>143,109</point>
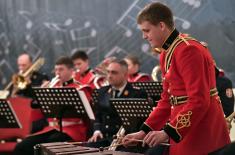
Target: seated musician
<point>134,74</point>
<point>225,89</point>
<point>73,128</point>
<point>104,127</point>
<point>84,74</point>
<point>33,79</point>
<point>24,62</point>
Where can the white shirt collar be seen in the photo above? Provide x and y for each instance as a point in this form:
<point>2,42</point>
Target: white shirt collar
<point>120,89</point>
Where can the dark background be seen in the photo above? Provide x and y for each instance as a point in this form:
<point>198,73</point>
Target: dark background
<point>50,28</point>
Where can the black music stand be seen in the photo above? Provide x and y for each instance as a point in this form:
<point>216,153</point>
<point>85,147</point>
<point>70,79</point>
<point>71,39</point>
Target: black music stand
<point>153,89</point>
<point>8,118</point>
<point>63,103</point>
<point>94,96</point>
<point>132,111</point>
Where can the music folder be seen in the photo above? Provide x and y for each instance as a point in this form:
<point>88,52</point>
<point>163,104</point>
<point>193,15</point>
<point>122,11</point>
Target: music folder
<point>8,118</point>
<point>63,102</point>
<point>153,89</point>
<point>132,111</point>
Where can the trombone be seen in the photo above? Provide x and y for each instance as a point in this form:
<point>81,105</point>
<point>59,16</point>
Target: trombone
<point>21,81</point>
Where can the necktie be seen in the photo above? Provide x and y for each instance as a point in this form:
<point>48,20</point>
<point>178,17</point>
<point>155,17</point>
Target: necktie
<point>116,93</point>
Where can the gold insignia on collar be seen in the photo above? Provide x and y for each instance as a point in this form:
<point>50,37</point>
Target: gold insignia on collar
<point>126,92</point>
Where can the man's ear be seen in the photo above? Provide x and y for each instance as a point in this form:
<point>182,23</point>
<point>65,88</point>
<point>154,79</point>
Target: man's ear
<point>137,67</point>
<point>162,25</point>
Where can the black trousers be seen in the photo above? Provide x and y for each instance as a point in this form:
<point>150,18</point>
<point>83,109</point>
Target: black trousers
<point>229,149</point>
<point>26,146</point>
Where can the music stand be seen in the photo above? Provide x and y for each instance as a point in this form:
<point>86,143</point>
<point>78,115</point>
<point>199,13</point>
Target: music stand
<point>132,110</point>
<point>8,117</point>
<point>94,96</point>
<point>153,89</point>
<point>63,103</point>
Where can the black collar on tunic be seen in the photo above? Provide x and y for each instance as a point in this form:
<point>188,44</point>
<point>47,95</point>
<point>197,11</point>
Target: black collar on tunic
<point>85,73</point>
<point>135,74</point>
<point>170,39</point>
<point>67,82</point>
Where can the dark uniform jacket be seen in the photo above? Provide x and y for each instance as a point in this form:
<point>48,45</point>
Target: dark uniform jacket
<point>38,120</point>
<point>36,79</point>
<point>224,87</point>
<point>107,119</point>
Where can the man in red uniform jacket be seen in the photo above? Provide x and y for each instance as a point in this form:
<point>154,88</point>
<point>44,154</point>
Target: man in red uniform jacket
<point>189,113</point>
<point>73,128</point>
<point>83,74</point>
<point>134,74</point>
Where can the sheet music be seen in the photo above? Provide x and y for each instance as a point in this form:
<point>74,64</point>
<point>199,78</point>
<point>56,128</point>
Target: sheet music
<point>87,105</point>
<point>8,115</point>
<point>13,111</point>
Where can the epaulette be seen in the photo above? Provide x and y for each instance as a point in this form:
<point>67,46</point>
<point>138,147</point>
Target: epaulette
<point>204,44</point>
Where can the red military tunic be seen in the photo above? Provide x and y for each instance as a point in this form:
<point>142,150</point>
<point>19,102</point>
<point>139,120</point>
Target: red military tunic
<point>76,128</point>
<point>196,126</point>
<point>86,78</point>
<point>139,77</point>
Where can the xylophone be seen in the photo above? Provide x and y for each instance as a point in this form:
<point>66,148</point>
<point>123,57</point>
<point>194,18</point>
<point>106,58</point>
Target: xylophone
<point>65,148</point>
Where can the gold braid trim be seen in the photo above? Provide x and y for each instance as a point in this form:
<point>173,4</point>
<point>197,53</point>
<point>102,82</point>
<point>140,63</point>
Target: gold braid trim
<point>182,122</point>
<point>171,49</point>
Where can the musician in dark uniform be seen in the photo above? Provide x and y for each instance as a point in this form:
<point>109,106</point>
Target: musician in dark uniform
<point>33,79</point>
<point>225,90</point>
<point>107,122</point>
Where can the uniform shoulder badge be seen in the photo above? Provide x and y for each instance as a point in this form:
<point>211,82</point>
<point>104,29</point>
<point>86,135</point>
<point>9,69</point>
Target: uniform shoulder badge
<point>229,92</point>
<point>126,92</point>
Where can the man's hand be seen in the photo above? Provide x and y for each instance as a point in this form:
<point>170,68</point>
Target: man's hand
<point>97,135</point>
<point>153,138</point>
<point>132,139</point>
<point>229,125</point>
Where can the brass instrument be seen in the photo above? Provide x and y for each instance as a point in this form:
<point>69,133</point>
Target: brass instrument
<point>229,120</point>
<point>100,81</point>
<point>20,79</point>
<point>118,139</point>
<point>53,81</point>
<point>230,117</point>
<point>155,73</point>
